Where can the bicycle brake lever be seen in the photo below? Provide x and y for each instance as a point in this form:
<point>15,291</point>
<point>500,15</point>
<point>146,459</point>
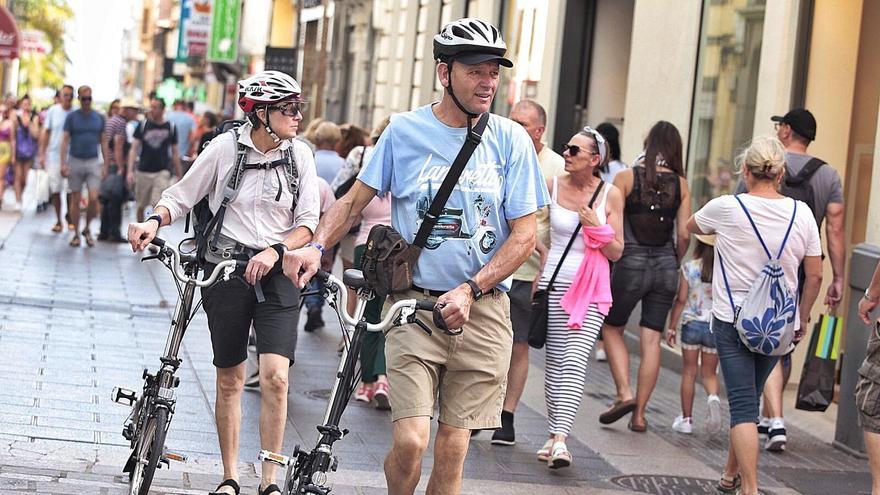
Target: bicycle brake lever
<point>422,325</point>
<point>150,257</point>
<point>227,273</point>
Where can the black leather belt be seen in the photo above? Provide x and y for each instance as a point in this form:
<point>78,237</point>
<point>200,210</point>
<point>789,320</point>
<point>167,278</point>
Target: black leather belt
<point>432,293</point>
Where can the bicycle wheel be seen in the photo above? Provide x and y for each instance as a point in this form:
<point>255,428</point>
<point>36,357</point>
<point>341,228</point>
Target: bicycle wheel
<point>148,452</point>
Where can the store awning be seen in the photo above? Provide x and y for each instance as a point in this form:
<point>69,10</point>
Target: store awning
<point>10,38</point>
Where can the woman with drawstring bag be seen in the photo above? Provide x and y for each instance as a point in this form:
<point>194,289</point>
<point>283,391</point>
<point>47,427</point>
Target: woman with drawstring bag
<point>761,238</point>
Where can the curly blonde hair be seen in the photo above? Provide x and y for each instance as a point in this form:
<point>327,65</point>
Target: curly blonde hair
<point>764,157</point>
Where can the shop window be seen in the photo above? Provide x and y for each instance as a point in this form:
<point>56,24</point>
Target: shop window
<point>725,92</point>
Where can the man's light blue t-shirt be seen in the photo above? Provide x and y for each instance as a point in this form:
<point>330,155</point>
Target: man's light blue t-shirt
<point>501,182</point>
<point>184,124</point>
<point>85,130</point>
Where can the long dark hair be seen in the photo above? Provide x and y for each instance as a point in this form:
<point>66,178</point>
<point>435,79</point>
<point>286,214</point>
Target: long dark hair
<point>612,138</point>
<point>664,140</point>
<point>706,254</point>
<point>351,139</point>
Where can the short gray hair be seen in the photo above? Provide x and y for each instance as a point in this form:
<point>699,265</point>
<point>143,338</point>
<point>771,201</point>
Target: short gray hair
<point>532,105</point>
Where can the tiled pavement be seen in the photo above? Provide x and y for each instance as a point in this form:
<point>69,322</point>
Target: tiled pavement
<point>78,322</point>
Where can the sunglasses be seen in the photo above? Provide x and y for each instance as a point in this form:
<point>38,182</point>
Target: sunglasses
<point>85,98</point>
<point>574,149</point>
<point>290,109</point>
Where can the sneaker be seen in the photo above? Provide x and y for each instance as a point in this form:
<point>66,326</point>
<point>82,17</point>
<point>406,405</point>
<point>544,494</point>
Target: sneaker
<point>683,425</point>
<point>713,416</point>
<point>600,355</point>
<point>560,457</point>
<point>364,393</point>
<point>380,393</point>
<point>763,428</point>
<point>776,439</point>
<point>506,434</point>
<point>544,452</point>
<point>253,381</point>
<point>313,319</point>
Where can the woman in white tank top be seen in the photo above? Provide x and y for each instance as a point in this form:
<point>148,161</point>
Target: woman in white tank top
<point>568,349</point>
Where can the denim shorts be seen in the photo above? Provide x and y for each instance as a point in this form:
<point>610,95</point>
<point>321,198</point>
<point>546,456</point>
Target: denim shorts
<point>744,373</point>
<point>649,276</point>
<point>696,335</point>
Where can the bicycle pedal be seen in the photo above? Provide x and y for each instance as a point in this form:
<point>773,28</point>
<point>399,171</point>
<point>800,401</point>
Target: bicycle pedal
<point>278,459</point>
<point>173,456</point>
<point>118,395</point>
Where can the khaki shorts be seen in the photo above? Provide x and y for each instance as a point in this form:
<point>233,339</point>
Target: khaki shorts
<point>148,187</point>
<point>464,375</point>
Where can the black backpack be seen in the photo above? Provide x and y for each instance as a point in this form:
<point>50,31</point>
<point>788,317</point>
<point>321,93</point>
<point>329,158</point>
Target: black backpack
<point>208,224</point>
<point>798,186</point>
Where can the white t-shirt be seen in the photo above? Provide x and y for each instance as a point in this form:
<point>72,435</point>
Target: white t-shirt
<point>55,123</point>
<point>739,247</point>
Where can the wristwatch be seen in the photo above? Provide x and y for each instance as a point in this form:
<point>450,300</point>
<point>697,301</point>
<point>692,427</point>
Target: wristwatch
<point>157,217</point>
<point>279,248</point>
<point>476,292</point>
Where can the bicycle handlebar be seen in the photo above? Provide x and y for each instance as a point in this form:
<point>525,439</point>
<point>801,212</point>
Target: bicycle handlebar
<point>398,314</point>
<point>166,249</point>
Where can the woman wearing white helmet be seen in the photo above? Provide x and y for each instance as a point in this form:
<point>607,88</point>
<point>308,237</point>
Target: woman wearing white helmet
<point>275,208</point>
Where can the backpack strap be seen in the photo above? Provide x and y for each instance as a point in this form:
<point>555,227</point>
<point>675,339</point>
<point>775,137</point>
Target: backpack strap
<point>230,191</point>
<point>729,293</point>
<point>806,173</point>
<point>754,227</point>
<point>788,231</point>
<point>290,171</point>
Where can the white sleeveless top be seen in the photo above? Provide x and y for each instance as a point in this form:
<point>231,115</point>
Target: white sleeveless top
<point>563,222</point>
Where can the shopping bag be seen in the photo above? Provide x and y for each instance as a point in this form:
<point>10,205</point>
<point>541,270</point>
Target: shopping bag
<point>816,389</point>
<point>42,186</point>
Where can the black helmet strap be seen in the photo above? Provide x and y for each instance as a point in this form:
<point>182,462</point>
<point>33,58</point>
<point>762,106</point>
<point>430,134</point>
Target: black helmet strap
<point>470,115</point>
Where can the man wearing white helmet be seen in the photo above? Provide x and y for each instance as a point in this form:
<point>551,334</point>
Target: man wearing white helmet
<point>493,206</point>
<point>275,209</point>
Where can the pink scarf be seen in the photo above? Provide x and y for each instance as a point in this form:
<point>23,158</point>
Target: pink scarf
<point>592,282</point>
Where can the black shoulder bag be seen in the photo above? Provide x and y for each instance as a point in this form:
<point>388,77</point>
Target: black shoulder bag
<point>388,260</point>
<point>538,323</point>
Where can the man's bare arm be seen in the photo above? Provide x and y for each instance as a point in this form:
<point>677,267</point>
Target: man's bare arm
<point>513,253</point>
<point>342,214</point>
<point>834,235</point>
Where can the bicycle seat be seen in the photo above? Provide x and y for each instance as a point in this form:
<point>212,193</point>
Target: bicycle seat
<point>354,279</point>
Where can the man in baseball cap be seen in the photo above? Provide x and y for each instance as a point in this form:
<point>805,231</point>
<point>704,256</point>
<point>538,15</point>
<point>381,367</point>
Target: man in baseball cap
<point>801,121</point>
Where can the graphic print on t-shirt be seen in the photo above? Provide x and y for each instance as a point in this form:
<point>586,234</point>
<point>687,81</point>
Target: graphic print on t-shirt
<point>471,224</point>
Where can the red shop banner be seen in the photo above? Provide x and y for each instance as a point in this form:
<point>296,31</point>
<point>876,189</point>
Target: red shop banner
<point>10,38</point>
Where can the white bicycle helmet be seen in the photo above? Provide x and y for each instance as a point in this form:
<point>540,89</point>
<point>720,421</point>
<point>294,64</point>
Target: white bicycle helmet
<point>266,88</point>
<point>471,41</point>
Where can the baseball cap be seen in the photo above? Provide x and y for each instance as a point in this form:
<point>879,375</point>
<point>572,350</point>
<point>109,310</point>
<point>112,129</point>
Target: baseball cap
<point>474,58</point>
<point>800,120</point>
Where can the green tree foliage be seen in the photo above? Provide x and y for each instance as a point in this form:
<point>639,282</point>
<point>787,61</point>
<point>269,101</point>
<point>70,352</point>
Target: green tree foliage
<point>39,70</point>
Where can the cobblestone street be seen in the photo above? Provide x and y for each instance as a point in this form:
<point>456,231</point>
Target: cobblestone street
<point>74,323</point>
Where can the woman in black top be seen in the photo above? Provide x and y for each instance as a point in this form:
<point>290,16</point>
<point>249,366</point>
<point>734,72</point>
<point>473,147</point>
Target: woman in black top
<point>655,235</point>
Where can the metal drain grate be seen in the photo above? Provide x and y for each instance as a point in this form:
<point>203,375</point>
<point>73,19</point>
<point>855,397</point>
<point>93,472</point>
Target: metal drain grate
<point>319,394</point>
<point>667,485</point>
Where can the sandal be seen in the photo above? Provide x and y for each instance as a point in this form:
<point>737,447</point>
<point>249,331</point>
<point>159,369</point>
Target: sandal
<point>273,488</point>
<point>57,228</point>
<point>728,485</point>
<point>230,483</point>
<point>560,458</point>
<point>544,452</point>
<point>619,409</point>
<point>87,235</point>
<point>75,241</point>
<point>638,428</point>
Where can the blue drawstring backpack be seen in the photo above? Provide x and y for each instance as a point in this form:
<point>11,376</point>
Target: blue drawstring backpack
<point>765,319</point>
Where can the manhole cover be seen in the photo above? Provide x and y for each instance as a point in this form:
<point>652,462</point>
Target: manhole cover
<point>667,485</point>
<point>319,394</point>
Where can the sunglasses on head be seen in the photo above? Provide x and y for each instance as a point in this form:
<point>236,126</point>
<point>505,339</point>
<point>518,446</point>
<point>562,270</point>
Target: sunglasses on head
<point>574,149</point>
<point>290,109</point>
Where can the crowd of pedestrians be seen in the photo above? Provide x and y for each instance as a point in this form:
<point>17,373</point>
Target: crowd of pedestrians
<point>598,237</point>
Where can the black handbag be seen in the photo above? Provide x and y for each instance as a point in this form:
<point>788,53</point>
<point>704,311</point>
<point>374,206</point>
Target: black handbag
<point>540,302</point>
<point>816,388</point>
<point>389,261</point>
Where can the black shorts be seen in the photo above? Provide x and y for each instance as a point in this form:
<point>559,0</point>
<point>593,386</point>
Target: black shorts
<point>647,277</point>
<point>520,309</point>
<point>231,307</point>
